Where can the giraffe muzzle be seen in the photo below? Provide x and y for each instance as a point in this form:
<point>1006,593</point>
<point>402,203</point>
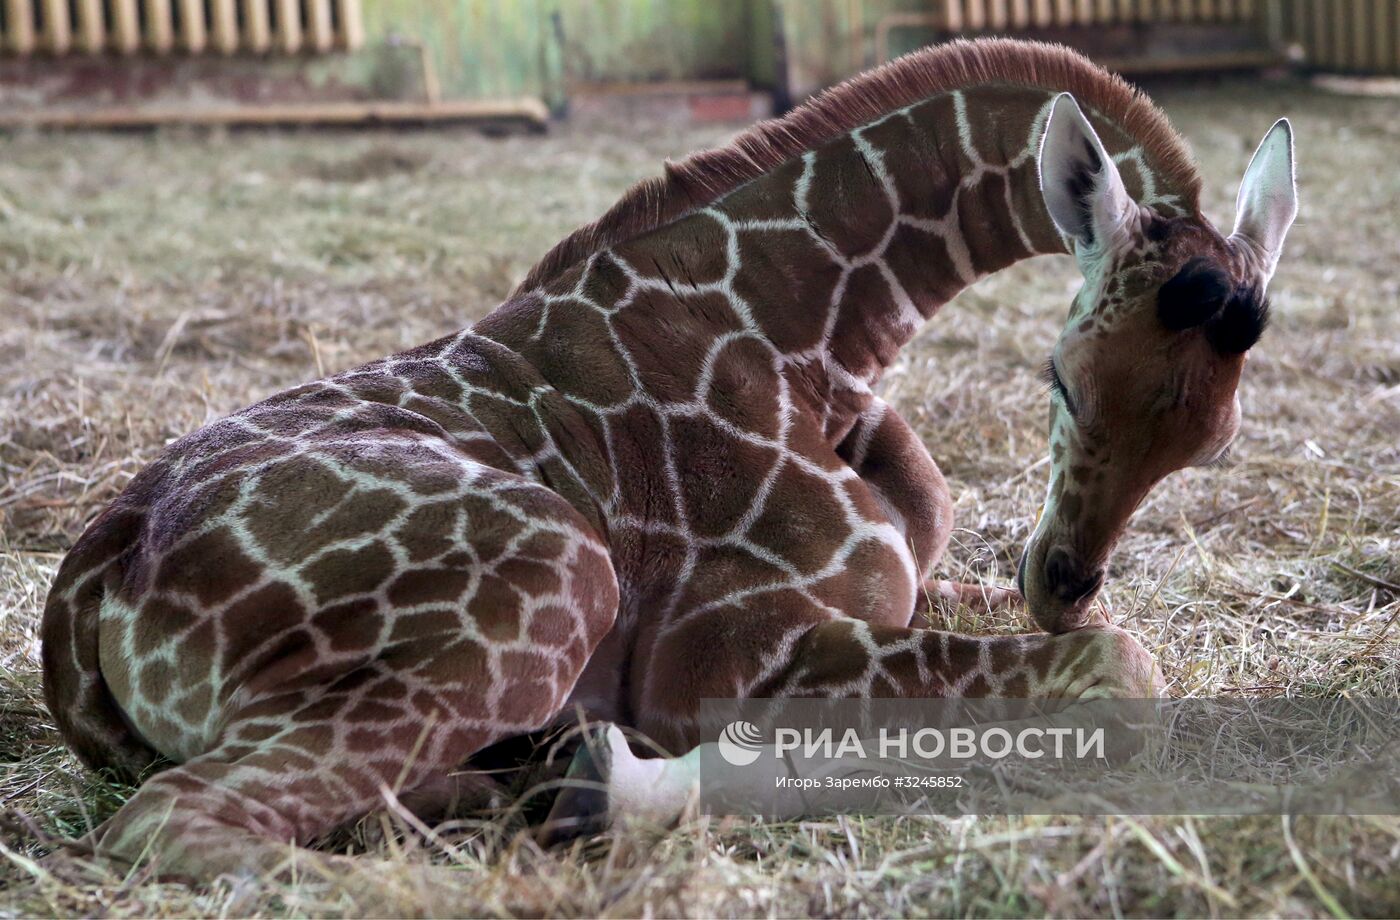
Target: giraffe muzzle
<point>1068,580</point>
<point>1058,586</point>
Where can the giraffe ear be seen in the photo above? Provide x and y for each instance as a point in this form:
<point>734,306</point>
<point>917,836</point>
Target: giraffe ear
<point>1268,199</point>
<point>1081,187</point>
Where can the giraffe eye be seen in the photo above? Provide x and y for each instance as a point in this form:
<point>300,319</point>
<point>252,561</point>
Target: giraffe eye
<point>1050,375</point>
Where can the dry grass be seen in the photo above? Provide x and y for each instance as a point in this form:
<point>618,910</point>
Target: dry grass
<point>153,284</point>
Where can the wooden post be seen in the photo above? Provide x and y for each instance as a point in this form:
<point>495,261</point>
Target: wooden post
<point>58,30</point>
<point>193,36</point>
<point>224,20</point>
<point>160,28</point>
<point>126,26</point>
<point>319,25</point>
<point>19,22</point>
<point>257,27</point>
<point>352,28</point>
<point>92,30</point>
<point>288,26</point>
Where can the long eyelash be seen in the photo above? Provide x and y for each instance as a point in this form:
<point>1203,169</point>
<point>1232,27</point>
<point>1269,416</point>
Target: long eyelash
<point>1223,460</point>
<point>1053,384</point>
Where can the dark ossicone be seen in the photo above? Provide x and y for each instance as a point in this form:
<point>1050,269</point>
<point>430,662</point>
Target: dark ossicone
<point>1202,294</point>
<point>1193,295</point>
<point>1241,323</point>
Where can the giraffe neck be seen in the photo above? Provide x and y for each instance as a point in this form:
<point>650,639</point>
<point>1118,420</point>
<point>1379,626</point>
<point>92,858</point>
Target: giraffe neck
<point>837,257</point>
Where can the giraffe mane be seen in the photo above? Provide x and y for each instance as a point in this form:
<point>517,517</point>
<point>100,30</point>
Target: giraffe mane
<point>702,178</point>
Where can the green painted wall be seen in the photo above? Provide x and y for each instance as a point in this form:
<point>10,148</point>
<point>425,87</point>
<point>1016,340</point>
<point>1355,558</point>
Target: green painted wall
<point>479,48</point>
<point>830,40</point>
<point>501,48</point>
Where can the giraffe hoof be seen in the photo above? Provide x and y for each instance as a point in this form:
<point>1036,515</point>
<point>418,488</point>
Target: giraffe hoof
<point>581,808</point>
<point>978,597</point>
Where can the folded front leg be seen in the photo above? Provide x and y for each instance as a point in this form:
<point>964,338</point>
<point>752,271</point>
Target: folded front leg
<point>851,659</point>
<point>893,462</point>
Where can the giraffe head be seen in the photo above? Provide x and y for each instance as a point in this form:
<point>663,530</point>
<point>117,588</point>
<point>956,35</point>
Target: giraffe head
<point>1143,377</point>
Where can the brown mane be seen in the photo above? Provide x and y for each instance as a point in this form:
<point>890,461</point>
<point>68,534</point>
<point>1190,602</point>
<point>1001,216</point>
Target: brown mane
<point>704,177</point>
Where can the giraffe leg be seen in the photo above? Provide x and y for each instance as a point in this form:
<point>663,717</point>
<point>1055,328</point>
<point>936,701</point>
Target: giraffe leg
<point>902,476</point>
<point>297,766</point>
<point>497,593</point>
<point>852,659</point>
<point>978,597</point>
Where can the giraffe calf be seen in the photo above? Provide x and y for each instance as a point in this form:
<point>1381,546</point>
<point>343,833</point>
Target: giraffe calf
<point>660,472</point>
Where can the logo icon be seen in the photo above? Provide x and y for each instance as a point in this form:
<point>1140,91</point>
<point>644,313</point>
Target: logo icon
<point>740,743</point>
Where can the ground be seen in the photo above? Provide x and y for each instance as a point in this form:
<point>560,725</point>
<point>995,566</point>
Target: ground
<point>150,284</point>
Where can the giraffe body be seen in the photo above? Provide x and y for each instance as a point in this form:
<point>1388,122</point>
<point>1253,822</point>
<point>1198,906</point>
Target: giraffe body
<point>658,473</point>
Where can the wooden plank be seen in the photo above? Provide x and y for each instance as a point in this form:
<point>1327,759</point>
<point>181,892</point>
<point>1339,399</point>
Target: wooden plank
<point>257,26</point>
<point>288,31</point>
<point>92,30</point>
<point>319,26</point>
<point>529,112</point>
<point>352,25</point>
<point>160,26</point>
<point>1388,37</point>
<point>58,28</point>
<point>1315,42</point>
<point>19,26</point>
<point>1020,17</point>
<point>223,20</point>
<point>193,35</point>
<point>1364,23</point>
<point>1341,55</point>
<point>1361,44</point>
<point>1394,42</point>
<point>1064,13</point>
<point>126,26</point>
